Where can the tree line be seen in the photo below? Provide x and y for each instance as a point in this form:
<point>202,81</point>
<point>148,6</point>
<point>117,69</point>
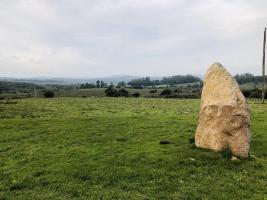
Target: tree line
<point>97,84</point>
<point>171,80</point>
<point>247,78</point>
<point>146,81</point>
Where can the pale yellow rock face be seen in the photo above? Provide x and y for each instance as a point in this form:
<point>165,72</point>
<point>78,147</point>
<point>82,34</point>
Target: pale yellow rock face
<point>224,114</point>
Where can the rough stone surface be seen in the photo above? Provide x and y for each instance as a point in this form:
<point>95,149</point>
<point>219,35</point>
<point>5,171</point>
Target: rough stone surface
<point>224,114</point>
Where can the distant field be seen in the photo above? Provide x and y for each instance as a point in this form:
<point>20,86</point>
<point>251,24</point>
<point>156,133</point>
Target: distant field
<point>94,92</point>
<point>250,86</point>
<point>186,90</point>
<point>108,148</point>
<point>100,92</point>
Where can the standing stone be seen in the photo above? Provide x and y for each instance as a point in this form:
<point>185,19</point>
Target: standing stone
<point>224,114</point>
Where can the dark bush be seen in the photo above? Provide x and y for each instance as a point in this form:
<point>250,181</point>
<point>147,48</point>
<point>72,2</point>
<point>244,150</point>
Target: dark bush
<point>255,93</point>
<point>111,92</point>
<point>251,93</point>
<point>49,94</point>
<point>136,94</point>
<point>246,93</point>
<point>123,93</point>
<point>153,91</point>
<point>166,92</point>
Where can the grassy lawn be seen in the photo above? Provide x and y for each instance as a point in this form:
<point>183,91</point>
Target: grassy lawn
<point>108,148</point>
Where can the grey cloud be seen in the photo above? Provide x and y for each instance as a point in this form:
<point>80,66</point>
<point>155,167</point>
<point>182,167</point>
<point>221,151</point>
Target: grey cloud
<point>106,37</point>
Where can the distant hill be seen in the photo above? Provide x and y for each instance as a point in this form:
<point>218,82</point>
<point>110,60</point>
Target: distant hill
<point>68,81</point>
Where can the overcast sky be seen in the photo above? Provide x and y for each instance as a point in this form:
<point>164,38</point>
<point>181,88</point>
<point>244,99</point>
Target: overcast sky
<point>92,38</point>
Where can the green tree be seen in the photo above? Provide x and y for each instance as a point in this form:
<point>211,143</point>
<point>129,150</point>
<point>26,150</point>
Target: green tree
<point>98,83</point>
<point>111,92</point>
<point>102,84</point>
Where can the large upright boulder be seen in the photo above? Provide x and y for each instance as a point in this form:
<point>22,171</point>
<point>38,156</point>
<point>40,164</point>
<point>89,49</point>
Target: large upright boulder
<point>224,114</point>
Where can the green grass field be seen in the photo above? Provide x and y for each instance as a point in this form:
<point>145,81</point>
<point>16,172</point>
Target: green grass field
<point>108,148</point>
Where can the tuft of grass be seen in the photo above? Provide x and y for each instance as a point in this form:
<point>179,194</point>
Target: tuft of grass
<point>227,154</point>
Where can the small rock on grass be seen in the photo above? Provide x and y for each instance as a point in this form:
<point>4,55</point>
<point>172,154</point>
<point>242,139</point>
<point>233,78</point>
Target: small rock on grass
<point>165,142</point>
